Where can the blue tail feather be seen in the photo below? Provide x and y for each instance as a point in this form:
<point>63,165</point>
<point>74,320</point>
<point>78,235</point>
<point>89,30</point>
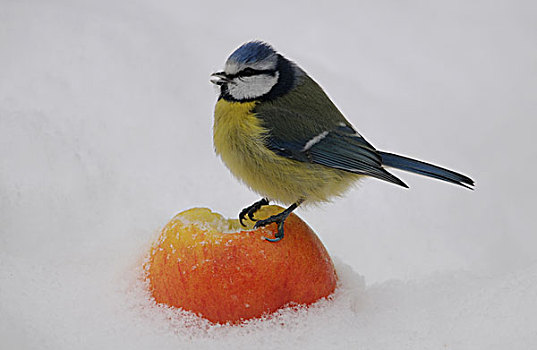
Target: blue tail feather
<point>426,169</point>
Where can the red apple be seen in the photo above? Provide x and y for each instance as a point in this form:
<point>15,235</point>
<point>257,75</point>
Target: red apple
<point>216,268</point>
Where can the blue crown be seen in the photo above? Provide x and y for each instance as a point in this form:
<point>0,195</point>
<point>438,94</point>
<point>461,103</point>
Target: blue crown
<point>251,52</point>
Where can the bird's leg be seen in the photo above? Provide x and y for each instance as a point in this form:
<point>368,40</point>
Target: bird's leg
<point>279,219</point>
<point>250,211</point>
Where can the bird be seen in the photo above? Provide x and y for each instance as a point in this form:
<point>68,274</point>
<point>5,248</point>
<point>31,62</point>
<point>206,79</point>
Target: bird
<point>278,132</point>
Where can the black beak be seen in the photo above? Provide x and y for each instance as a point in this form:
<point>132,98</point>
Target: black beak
<point>219,78</point>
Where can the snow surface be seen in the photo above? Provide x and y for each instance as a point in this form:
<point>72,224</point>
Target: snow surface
<point>105,134</point>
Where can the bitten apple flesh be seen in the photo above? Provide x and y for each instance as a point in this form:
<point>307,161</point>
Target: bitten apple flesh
<point>226,273</point>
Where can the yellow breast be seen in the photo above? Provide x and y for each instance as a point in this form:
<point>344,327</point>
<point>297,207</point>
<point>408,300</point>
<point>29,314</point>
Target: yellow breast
<point>239,139</point>
<point>235,126</point>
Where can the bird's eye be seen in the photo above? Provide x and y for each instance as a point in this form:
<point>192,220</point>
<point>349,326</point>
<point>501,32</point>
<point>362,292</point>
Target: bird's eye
<point>246,72</point>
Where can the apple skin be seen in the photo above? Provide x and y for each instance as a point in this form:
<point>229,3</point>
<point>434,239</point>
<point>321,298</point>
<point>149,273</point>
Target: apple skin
<point>227,274</point>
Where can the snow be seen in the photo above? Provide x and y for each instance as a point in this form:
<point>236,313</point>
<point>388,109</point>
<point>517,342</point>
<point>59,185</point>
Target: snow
<point>105,134</point>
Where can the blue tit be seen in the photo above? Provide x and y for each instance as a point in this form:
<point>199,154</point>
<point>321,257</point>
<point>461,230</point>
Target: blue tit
<point>278,132</point>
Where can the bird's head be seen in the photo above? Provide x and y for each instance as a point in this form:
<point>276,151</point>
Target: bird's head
<point>255,71</point>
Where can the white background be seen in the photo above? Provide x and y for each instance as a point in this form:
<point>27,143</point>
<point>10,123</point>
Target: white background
<point>105,134</point>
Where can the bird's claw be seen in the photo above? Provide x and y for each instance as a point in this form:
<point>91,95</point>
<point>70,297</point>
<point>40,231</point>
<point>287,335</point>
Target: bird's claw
<point>276,238</point>
<point>251,210</point>
<point>278,219</point>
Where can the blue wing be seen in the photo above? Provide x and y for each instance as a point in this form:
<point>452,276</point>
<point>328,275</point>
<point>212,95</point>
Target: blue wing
<point>340,147</point>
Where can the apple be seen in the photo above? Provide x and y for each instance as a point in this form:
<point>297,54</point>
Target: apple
<point>226,273</point>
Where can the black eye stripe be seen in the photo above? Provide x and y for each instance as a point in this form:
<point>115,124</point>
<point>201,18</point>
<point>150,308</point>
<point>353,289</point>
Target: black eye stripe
<point>248,72</point>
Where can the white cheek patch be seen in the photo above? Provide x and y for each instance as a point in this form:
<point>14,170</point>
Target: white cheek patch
<point>253,86</point>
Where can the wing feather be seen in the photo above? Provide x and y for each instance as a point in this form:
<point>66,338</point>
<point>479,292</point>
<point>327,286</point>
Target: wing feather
<point>339,146</point>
